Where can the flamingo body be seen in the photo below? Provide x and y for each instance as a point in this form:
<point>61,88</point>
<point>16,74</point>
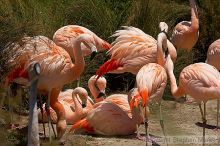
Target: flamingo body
<point>186,33</point>
<point>65,35</point>
<point>213,54</point>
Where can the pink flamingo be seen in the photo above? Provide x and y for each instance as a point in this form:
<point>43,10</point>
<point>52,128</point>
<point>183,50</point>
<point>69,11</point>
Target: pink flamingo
<point>108,118</point>
<point>56,66</point>
<point>65,36</point>
<point>151,79</point>
<point>97,89</point>
<point>71,100</point>
<point>131,50</point>
<point>199,80</point>
<point>186,33</point>
<point>213,58</point>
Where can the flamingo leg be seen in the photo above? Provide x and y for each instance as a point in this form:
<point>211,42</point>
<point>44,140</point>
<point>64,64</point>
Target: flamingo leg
<point>47,106</point>
<point>50,124</point>
<point>42,114</point>
<point>203,120</point>
<point>59,109</point>
<point>162,123</point>
<point>10,108</point>
<point>146,125</point>
<point>217,112</point>
<point>78,82</point>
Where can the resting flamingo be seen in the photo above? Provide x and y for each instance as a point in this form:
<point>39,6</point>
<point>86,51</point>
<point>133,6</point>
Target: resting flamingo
<point>200,80</point>
<point>108,118</point>
<point>213,58</point>
<point>71,100</point>
<point>97,89</point>
<point>186,33</point>
<point>56,66</point>
<point>131,50</point>
<point>151,79</point>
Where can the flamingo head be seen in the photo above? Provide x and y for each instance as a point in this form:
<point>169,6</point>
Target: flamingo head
<point>99,84</point>
<point>163,27</point>
<point>83,95</point>
<point>138,98</point>
<point>88,45</point>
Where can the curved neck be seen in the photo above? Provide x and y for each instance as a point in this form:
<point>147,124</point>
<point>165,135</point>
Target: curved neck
<point>78,107</point>
<point>94,91</point>
<point>194,15</point>
<point>173,84</point>
<point>172,51</point>
<point>79,64</point>
<point>161,42</point>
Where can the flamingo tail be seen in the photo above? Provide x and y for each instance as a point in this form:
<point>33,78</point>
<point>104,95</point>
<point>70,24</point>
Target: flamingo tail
<point>16,73</point>
<point>82,124</point>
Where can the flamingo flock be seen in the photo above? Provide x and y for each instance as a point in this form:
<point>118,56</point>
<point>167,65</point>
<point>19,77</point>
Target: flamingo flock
<point>151,60</point>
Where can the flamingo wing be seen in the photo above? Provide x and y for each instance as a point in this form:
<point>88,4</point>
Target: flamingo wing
<point>129,52</point>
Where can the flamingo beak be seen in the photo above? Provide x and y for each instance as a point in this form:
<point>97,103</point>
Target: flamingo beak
<point>94,53</point>
<point>101,94</point>
<point>84,103</point>
<point>135,101</point>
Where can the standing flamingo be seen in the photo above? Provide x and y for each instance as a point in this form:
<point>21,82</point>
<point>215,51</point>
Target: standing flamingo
<point>186,33</point>
<point>108,118</point>
<point>199,80</point>
<point>56,66</point>
<point>152,78</point>
<point>213,58</point>
<point>71,105</point>
<point>65,36</point>
<point>131,50</point>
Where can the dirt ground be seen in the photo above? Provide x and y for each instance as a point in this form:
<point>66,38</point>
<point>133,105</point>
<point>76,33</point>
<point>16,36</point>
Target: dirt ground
<point>180,127</point>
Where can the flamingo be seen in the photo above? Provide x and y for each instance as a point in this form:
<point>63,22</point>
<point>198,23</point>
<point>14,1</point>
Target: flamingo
<point>186,33</point>
<point>108,118</point>
<point>131,50</point>
<point>200,80</point>
<point>56,66</point>
<point>151,79</point>
<point>97,89</point>
<point>213,58</point>
<point>65,36</point>
<point>71,105</point>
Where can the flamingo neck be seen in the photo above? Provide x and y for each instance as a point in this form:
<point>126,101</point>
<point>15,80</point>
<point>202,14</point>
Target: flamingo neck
<point>77,68</point>
<point>161,41</point>
<point>78,108</point>
<point>194,15</point>
<point>173,84</point>
<point>94,91</point>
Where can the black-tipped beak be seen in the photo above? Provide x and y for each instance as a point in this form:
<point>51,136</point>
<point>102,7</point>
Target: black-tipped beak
<point>101,94</point>
<point>83,105</point>
<point>92,56</point>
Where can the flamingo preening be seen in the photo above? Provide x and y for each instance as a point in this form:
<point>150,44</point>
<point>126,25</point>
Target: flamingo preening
<point>186,33</point>
<point>57,68</point>
<point>131,50</point>
<point>71,104</point>
<point>151,79</point>
<point>107,118</point>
